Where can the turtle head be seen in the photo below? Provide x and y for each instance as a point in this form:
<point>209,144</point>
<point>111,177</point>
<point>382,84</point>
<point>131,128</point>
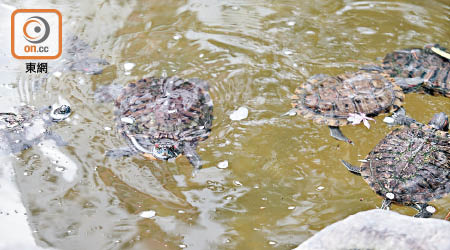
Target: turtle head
<point>439,121</point>
<point>166,149</point>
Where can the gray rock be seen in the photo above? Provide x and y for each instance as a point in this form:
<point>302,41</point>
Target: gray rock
<point>381,229</point>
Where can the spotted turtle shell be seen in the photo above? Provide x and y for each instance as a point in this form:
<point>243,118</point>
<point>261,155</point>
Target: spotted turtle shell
<point>424,63</point>
<point>413,163</point>
<point>152,109</point>
<point>331,99</point>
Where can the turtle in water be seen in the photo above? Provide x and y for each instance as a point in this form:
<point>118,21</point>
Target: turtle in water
<point>427,69</point>
<point>21,130</point>
<point>77,57</point>
<point>162,118</point>
<point>411,165</point>
<point>337,100</point>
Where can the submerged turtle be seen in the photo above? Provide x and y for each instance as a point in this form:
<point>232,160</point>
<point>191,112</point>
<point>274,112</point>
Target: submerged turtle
<point>411,165</point>
<point>336,100</point>
<point>77,57</point>
<point>427,69</point>
<point>29,126</point>
<point>162,118</point>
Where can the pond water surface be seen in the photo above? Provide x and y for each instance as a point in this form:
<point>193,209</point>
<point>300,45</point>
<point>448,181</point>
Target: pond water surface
<point>284,180</point>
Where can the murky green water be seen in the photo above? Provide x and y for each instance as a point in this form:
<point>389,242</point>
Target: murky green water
<point>284,181</point>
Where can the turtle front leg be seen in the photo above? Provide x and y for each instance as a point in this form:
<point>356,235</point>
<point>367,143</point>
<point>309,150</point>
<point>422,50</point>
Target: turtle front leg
<point>192,156</point>
<point>337,134</point>
<point>120,152</point>
<point>351,168</point>
<point>399,117</point>
<point>425,210</point>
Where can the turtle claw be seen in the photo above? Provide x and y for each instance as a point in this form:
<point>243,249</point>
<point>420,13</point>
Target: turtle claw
<point>336,133</point>
<point>351,168</point>
<point>193,157</point>
<point>386,205</point>
<point>425,210</point>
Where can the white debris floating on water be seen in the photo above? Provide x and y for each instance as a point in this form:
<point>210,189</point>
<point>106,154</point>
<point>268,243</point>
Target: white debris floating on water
<point>223,164</point>
<point>320,188</point>
<point>430,209</point>
<point>239,114</point>
<point>57,74</point>
<point>388,120</point>
<point>128,66</point>
<point>147,214</point>
<point>128,120</point>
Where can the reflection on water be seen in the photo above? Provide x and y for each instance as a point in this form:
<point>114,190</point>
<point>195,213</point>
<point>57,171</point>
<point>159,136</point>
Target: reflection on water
<point>284,181</point>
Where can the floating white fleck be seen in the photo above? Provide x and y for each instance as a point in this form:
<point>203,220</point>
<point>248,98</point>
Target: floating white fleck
<point>262,208</point>
<point>201,55</point>
<point>363,160</point>
<point>287,52</point>
<point>388,120</point>
<point>291,207</point>
<point>272,243</point>
<point>237,183</point>
<point>291,23</point>
<point>430,209</point>
<point>128,66</point>
<point>177,37</point>
<point>320,188</point>
<point>182,246</point>
<point>147,214</point>
<point>171,111</point>
<point>390,196</point>
<point>60,169</point>
<point>235,8</point>
<point>239,114</point>
<point>223,164</point>
<point>57,74</point>
<point>366,31</point>
<point>128,120</point>
<point>107,128</point>
<point>181,212</point>
<point>310,32</point>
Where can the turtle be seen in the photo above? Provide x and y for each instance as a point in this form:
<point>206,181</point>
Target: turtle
<point>161,118</point>
<point>28,126</point>
<point>427,69</point>
<point>411,165</point>
<point>335,100</point>
<point>77,57</point>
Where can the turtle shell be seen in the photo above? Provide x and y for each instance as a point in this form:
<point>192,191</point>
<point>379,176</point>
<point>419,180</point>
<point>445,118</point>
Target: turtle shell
<point>153,109</point>
<point>412,163</point>
<point>331,99</point>
<point>424,63</point>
